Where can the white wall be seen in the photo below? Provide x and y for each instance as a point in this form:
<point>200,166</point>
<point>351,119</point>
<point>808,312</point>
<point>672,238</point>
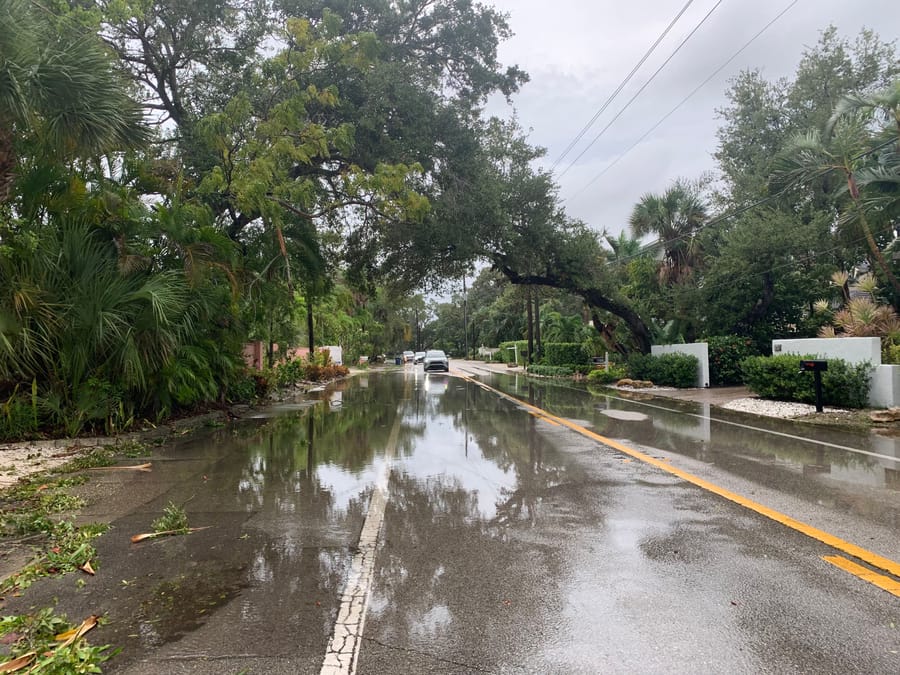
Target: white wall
<point>337,354</point>
<point>853,350</point>
<point>698,349</point>
<point>884,387</point>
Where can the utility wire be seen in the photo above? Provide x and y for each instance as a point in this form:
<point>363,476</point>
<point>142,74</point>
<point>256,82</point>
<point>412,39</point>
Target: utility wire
<point>644,86</point>
<point>621,86</point>
<point>684,100</point>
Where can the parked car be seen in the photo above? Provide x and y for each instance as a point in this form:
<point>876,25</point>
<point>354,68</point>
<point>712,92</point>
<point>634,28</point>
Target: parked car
<point>420,356</point>
<point>408,356</point>
<point>435,359</point>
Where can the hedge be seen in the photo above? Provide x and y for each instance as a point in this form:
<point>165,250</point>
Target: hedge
<point>779,378</point>
<point>670,370</point>
<point>562,353</point>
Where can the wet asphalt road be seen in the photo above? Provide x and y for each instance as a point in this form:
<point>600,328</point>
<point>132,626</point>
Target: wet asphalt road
<point>505,543</point>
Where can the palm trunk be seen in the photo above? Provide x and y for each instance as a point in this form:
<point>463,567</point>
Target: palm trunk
<point>876,252</point>
<point>7,163</point>
<point>530,327</point>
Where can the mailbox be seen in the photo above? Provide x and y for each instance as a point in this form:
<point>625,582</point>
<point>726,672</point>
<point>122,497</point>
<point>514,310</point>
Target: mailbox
<point>814,365</point>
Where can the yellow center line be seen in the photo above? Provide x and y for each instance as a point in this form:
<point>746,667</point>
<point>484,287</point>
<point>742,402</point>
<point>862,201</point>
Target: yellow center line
<point>873,559</point>
<point>864,573</point>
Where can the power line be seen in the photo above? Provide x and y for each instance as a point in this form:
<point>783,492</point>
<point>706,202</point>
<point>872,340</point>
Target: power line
<point>621,86</point>
<point>684,100</point>
<point>644,86</point>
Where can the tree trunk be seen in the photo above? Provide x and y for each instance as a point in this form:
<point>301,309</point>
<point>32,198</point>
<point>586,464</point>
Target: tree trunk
<point>879,257</point>
<point>530,325</point>
<point>537,324</point>
<point>761,307</point>
<point>309,326</point>
<point>7,162</point>
<point>592,296</point>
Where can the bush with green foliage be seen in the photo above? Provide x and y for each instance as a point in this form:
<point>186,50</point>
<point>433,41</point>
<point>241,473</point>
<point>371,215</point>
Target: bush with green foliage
<point>669,370</point>
<point>562,353</point>
<point>725,355</point>
<point>779,378</point>
<point>105,343</point>
<point>607,376</point>
<point>242,389</point>
<point>19,417</point>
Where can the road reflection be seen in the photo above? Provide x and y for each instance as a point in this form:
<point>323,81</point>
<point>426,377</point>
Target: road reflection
<point>820,464</point>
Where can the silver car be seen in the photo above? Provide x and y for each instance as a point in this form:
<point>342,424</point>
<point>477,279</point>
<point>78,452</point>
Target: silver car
<point>435,359</point>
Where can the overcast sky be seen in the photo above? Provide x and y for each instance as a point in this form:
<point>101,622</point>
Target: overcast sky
<point>578,51</point>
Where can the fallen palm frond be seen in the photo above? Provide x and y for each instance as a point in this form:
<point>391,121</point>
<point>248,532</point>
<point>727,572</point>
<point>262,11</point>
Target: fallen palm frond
<point>166,533</point>
<point>136,467</point>
<point>49,651</point>
<point>18,663</point>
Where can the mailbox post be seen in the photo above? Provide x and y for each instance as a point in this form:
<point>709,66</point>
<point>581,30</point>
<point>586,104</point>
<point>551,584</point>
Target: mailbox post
<point>816,367</point>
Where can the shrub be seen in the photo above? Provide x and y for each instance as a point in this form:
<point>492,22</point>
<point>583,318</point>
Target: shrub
<point>779,378</point>
<point>289,373</point>
<point>725,355</point>
<point>671,370</point>
<point>242,389</point>
<point>563,353</point>
<point>18,418</point>
<point>603,376</point>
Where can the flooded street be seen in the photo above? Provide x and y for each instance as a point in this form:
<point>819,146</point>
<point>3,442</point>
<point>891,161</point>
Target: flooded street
<point>403,523</point>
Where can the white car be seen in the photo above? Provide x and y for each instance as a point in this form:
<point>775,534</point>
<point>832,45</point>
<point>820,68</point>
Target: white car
<point>435,359</point>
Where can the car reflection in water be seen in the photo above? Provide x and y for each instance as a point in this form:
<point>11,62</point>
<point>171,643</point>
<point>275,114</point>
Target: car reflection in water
<point>436,384</point>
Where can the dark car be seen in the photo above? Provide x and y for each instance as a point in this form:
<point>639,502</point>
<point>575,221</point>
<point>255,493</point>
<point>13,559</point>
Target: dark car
<point>435,359</point>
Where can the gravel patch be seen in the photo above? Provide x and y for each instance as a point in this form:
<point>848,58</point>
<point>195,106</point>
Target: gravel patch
<point>783,409</point>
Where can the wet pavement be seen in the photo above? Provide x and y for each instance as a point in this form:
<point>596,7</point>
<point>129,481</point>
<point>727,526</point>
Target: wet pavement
<point>502,542</point>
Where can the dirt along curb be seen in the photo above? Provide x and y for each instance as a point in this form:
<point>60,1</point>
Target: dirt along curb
<point>25,458</point>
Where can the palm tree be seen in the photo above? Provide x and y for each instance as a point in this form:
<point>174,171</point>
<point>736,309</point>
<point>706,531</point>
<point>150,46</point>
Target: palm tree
<point>624,248</point>
<point>847,147</point>
<point>58,89</point>
<point>882,173</point>
<point>675,217</point>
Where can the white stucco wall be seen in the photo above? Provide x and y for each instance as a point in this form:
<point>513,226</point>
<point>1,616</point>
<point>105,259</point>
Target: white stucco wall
<point>853,350</point>
<point>884,387</point>
<point>698,349</point>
